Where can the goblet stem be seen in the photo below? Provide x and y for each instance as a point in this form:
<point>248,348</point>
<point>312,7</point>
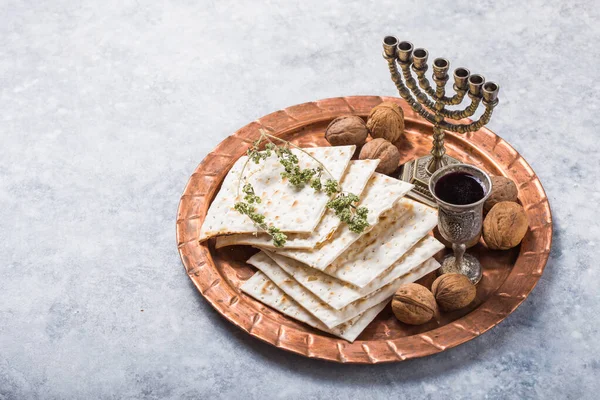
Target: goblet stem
<point>459,254</point>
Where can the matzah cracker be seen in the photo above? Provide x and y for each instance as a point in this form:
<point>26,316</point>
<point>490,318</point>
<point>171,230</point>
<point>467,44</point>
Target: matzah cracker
<point>380,195</point>
<point>354,181</point>
<point>264,290</point>
<point>385,244</point>
<point>288,208</point>
<point>325,313</point>
<point>339,294</point>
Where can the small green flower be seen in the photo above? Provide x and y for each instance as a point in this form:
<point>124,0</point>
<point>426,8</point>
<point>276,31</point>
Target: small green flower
<point>279,238</point>
<point>316,184</point>
<point>343,204</point>
<point>250,197</point>
<point>331,187</point>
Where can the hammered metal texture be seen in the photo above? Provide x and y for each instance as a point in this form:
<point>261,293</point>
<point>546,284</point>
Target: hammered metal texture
<point>509,276</point>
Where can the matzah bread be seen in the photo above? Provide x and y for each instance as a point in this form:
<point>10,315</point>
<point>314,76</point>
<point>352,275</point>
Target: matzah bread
<point>339,294</point>
<point>354,181</point>
<point>325,313</point>
<point>385,244</point>
<point>284,206</point>
<point>380,195</point>
<point>264,290</point>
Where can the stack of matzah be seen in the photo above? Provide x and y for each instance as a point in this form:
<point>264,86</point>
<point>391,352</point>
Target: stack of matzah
<point>326,275</point>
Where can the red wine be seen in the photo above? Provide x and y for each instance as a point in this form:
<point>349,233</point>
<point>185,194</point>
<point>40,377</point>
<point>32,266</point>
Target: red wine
<point>459,188</point>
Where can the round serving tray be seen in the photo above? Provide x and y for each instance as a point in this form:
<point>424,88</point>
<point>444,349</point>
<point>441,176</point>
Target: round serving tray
<point>509,276</point>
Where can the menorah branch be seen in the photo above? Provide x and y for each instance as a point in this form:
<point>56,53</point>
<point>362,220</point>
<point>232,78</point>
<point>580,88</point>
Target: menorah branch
<point>426,86</point>
<point>405,93</point>
<point>412,85</point>
<point>475,126</point>
<point>424,82</point>
<point>467,112</point>
<point>440,77</point>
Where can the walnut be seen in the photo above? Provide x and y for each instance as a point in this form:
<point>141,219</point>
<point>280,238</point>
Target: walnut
<point>347,130</point>
<point>453,291</point>
<point>386,121</point>
<point>383,150</point>
<point>503,189</point>
<point>413,304</point>
<point>505,226</point>
<point>438,236</point>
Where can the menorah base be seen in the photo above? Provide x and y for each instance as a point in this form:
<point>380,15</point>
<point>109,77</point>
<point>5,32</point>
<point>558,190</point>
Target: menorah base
<point>415,172</point>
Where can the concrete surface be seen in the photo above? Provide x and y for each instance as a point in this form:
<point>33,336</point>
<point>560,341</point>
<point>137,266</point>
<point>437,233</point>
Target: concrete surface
<point>106,107</point>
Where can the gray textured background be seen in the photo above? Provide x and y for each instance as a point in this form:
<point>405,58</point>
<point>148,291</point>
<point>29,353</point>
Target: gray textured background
<point>106,107</point>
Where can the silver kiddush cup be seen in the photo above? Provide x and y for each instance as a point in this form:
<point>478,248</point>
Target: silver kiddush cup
<point>459,224</point>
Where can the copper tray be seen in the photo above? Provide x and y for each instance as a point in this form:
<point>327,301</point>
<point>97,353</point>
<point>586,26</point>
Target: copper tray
<point>509,276</point>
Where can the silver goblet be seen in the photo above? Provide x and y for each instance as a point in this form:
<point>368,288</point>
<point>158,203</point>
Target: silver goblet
<point>461,223</point>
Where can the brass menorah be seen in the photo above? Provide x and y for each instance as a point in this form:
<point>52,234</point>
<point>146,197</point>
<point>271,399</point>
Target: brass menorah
<point>431,104</point>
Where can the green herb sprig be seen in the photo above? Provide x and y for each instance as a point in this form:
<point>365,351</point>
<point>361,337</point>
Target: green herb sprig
<point>345,209</point>
<point>343,204</point>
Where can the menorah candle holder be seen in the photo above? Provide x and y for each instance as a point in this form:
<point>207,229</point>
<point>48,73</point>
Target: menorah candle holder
<point>431,104</point>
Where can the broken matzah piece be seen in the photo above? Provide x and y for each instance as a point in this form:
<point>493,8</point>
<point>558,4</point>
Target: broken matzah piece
<point>354,181</point>
<point>285,207</point>
<point>325,313</point>
<point>264,290</point>
<point>380,195</point>
<point>339,294</point>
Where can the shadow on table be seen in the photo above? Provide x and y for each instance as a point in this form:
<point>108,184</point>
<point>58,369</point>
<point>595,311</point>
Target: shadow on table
<point>493,345</point>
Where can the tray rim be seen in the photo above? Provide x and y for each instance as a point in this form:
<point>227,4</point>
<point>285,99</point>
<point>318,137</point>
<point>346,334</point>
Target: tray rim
<point>199,265</point>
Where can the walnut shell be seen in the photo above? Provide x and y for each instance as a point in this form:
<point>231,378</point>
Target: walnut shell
<point>453,291</point>
<point>386,121</point>
<point>347,130</point>
<point>505,226</point>
<point>413,304</point>
<point>383,150</point>
<point>503,189</point>
<point>438,236</point>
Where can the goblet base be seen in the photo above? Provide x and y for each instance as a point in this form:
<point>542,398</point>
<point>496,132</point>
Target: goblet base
<point>470,267</point>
